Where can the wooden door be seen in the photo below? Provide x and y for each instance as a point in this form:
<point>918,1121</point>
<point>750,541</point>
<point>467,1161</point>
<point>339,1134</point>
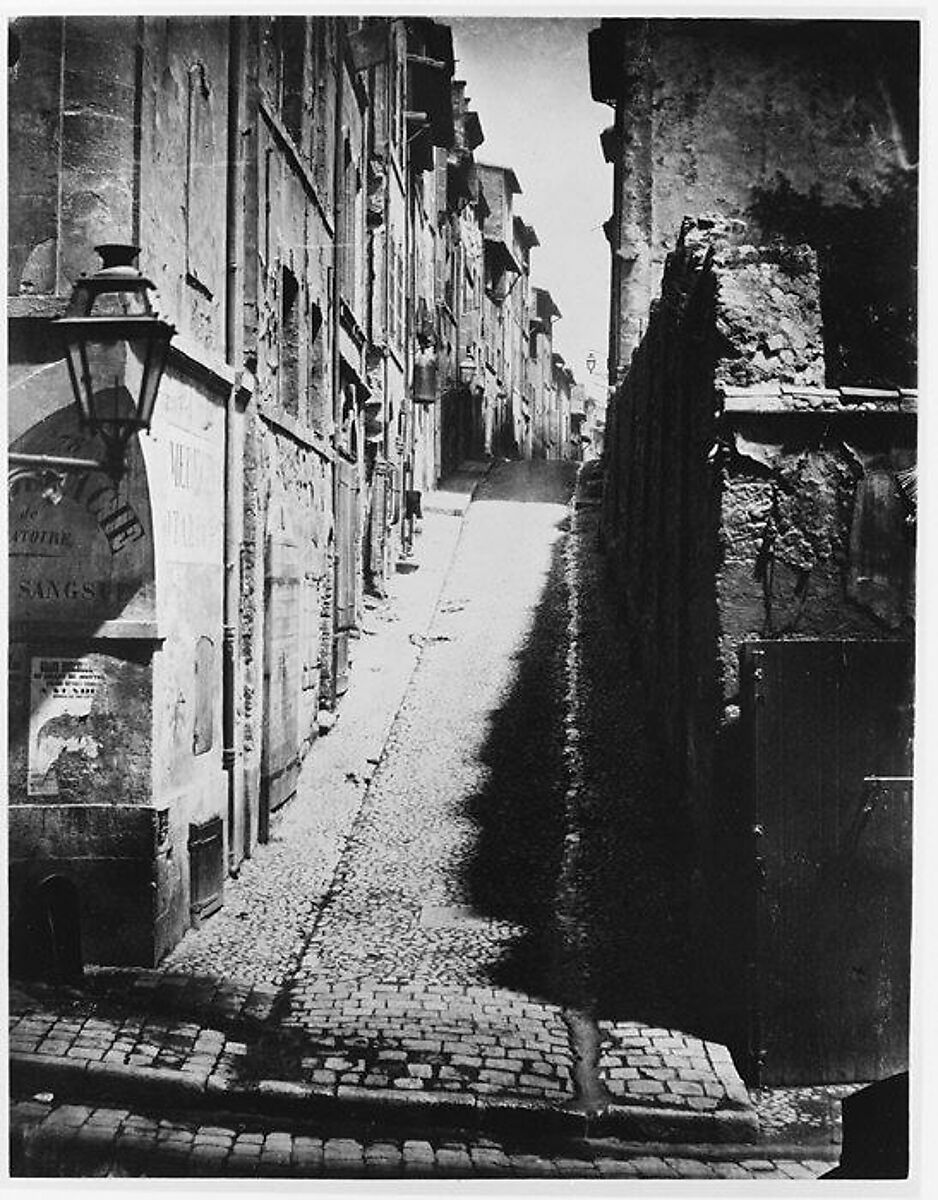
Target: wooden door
<point>346,524</point>
<point>829,728</point>
<point>280,761</point>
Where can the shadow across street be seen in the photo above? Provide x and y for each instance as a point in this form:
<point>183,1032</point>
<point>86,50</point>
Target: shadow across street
<point>598,879</point>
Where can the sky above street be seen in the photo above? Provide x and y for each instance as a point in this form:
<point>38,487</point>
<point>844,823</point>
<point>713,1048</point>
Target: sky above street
<point>528,79</point>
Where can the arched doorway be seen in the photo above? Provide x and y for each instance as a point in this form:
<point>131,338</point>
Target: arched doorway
<point>46,942</point>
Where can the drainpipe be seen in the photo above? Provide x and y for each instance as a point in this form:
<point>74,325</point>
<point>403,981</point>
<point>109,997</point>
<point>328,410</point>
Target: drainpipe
<point>338,158</point>
<point>337,213</point>
<point>234,249</point>
<point>388,282</point>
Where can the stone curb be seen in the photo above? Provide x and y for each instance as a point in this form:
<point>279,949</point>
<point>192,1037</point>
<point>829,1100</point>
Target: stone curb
<point>645,1124</point>
<point>130,1085</point>
<point>727,1151</point>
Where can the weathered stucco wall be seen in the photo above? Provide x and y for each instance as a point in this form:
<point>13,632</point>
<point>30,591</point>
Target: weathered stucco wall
<point>740,105</point>
<point>120,685</point>
<point>795,536</point>
<point>185,460</point>
<point>803,129</point>
<point>183,158</point>
<point>81,585</point>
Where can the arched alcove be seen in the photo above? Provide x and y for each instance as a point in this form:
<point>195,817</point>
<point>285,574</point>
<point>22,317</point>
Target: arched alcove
<point>81,543</point>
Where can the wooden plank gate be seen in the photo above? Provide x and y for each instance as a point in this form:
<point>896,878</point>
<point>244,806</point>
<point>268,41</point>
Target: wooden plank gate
<point>346,568</point>
<point>828,730</point>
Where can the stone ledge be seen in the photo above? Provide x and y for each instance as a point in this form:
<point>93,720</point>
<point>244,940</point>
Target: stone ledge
<point>641,1123</point>
<point>768,398</point>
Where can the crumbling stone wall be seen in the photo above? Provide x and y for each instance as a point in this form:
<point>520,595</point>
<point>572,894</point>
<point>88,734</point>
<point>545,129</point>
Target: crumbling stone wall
<point>744,499</point>
<point>792,462</point>
<point>288,520</point>
<point>769,316</point>
<point>793,540</point>
<point>661,512</point>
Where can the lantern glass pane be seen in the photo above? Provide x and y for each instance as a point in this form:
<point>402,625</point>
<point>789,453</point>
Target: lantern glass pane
<point>109,368</point>
<point>122,303</point>
<point>147,360</point>
<point>78,373</point>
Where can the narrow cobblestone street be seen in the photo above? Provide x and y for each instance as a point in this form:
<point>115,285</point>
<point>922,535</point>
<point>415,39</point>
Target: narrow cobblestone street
<point>462,629</point>
<point>420,948</point>
<point>416,897</point>
<point>414,939</point>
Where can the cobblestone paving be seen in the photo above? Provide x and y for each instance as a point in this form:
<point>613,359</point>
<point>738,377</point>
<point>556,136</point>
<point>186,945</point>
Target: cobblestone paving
<point>802,1114</point>
<point>415,975</point>
<point>410,969</point>
<point>269,908</point>
<point>186,1033</point>
<point>401,908</point>
<point>72,1139</point>
<point>402,942</point>
<point>420,1037</point>
<point>368,1035</point>
<point>641,1064</point>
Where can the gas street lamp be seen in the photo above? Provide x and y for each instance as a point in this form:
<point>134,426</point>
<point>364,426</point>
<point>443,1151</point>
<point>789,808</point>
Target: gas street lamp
<point>591,362</point>
<point>116,349</point>
<point>467,370</point>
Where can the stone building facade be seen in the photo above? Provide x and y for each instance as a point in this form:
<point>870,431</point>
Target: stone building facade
<point>759,498</point>
<point>544,312</point>
<point>305,198</point>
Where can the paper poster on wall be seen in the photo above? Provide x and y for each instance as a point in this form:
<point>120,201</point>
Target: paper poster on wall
<point>62,691</point>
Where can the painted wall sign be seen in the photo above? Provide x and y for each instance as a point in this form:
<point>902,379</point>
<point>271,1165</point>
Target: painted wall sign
<point>62,692</point>
<point>81,553</point>
<point>192,470</point>
<point>193,513</point>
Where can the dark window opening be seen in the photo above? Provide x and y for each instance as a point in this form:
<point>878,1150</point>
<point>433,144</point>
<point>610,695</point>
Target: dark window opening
<point>291,45</point>
<point>289,343</point>
<point>319,410</point>
<point>350,239</point>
